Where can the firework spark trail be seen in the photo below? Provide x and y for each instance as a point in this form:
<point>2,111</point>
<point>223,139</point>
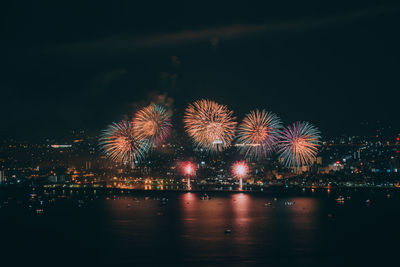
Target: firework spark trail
<point>210,125</point>
<point>258,134</point>
<point>299,144</point>
<point>120,144</point>
<point>153,123</point>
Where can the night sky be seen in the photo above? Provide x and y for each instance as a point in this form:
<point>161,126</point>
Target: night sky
<point>68,65</point>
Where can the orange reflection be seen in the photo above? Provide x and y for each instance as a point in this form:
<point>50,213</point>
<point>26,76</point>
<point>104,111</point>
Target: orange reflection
<point>189,206</point>
<point>204,220</point>
<point>241,203</point>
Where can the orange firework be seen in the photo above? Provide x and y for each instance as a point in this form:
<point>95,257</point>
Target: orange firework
<point>120,144</point>
<point>299,144</point>
<point>153,123</point>
<point>210,125</point>
<point>258,134</point>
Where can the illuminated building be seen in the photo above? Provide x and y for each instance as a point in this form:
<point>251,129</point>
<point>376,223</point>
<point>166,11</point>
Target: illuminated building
<point>2,177</point>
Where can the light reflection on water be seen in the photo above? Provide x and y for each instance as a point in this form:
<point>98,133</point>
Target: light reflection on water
<point>240,204</point>
<point>180,228</point>
<point>255,227</point>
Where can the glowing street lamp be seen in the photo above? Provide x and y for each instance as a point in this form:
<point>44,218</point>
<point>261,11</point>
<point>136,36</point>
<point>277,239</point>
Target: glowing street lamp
<point>240,170</point>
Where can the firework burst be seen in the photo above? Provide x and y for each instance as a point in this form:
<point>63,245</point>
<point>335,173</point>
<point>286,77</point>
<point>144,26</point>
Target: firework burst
<point>153,123</point>
<point>299,144</point>
<point>240,169</point>
<point>258,134</point>
<point>120,143</point>
<point>210,125</point>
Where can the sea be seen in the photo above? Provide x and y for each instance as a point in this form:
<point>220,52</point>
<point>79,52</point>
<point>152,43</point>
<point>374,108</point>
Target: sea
<point>283,227</point>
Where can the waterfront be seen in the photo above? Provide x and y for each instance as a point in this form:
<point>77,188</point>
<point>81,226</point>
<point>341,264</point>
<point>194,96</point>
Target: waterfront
<point>116,227</point>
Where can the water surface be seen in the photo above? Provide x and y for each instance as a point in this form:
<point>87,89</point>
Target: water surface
<point>140,228</point>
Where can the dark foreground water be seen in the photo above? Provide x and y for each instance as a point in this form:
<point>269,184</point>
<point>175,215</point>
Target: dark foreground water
<point>92,228</point>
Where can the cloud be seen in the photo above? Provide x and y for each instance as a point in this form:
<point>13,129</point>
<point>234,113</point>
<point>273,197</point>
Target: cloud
<point>128,42</point>
<point>154,97</point>
<point>103,80</point>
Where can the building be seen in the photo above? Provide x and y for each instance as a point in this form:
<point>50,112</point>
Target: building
<point>2,177</point>
<point>56,178</point>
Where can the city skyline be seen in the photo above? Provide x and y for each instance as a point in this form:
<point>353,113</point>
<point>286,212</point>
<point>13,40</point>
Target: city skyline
<point>360,160</point>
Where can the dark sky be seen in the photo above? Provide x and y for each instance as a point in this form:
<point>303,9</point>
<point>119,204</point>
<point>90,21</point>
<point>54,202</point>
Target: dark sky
<point>84,64</point>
